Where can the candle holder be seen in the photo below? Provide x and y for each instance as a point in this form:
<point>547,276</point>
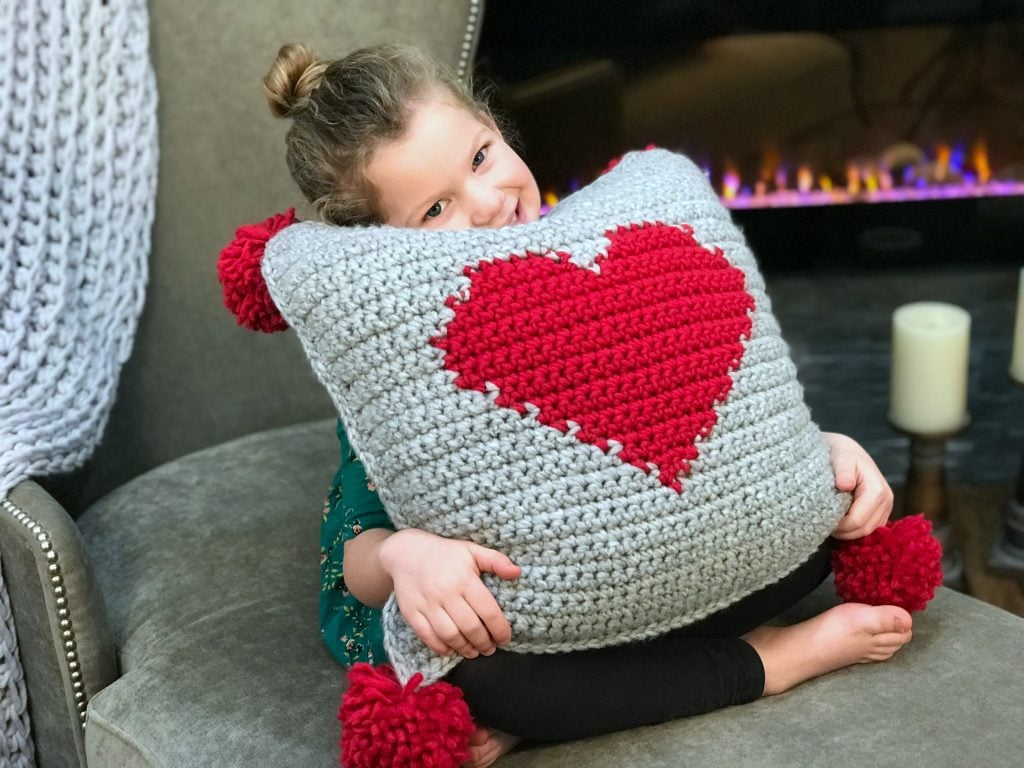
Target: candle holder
<point>1007,554</point>
<point>928,401</point>
<point>925,493</point>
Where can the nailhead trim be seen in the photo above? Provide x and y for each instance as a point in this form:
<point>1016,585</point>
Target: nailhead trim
<point>53,565</point>
<point>472,21</point>
<point>56,577</point>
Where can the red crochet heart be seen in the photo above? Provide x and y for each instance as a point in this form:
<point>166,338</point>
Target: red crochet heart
<point>635,351</point>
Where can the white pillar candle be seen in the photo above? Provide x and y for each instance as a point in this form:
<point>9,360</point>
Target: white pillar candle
<point>930,343</point>
<point>1017,361</point>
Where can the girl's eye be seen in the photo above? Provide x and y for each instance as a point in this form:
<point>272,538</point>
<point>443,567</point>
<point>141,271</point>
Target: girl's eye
<point>479,157</point>
<point>435,210</point>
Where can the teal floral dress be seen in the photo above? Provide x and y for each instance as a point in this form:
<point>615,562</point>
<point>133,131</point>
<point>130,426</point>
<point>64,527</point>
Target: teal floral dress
<point>351,630</point>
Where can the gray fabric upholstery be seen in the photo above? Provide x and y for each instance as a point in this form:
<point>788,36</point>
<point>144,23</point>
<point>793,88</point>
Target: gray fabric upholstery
<point>210,565</point>
<point>194,377</point>
<point>953,697</point>
<point>223,588</point>
<point>218,532</point>
<point>42,623</point>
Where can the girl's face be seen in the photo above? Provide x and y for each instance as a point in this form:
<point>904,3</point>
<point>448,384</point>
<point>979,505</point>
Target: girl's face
<point>451,171</point>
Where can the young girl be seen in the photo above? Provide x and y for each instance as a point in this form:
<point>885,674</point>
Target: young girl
<point>385,136</point>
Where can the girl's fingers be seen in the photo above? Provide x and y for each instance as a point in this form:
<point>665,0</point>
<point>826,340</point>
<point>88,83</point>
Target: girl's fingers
<point>880,510</point>
<point>471,627</point>
<point>844,467</point>
<point>845,535</point>
<point>492,561</point>
<point>855,520</point>
<point>483,604</point>
<point>861,514</point>
<point>862,524</point>
<point>450,633</point>
<point>856,472</point>
<point>845,453</point>
<point>870,509</point>
<point>852,528</point>
<point>425,632</point>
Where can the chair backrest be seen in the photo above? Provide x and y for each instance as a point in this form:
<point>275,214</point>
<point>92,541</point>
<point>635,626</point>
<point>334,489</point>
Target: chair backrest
<point>195,378</point>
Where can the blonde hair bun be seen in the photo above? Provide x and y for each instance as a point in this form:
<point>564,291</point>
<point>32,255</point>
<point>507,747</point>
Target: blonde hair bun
<point>292,77</point>
<point>343,109</point>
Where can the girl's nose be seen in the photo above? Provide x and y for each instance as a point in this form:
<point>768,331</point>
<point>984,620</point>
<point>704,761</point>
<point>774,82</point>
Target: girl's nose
<point>488,206</point>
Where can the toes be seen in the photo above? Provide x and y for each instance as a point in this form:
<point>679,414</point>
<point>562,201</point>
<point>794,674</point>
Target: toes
<point>480,737</point>
<point>482,757</point>
<point>900,620</point>
<point>483,753</point>
<point>893,638</point>
<point>888,619</point>
<point>885,650</point>
<point>881,655</point>
<point>887,644</point>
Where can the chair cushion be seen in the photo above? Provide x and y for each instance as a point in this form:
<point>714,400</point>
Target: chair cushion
<point>952,697</point>
<point>210,569</point>
<point>209,566</point>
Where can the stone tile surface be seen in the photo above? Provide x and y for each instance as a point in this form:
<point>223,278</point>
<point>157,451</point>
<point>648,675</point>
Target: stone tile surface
<point>838,325</point>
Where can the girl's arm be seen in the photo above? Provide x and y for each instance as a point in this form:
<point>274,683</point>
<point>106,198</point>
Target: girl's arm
<point>437,585</point>
<point>856,472</point>
<point>365,577</point>
<point>436,581</point>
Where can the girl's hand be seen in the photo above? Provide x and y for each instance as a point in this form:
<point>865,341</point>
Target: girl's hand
<point>440,593</point>
<point>856,472</point>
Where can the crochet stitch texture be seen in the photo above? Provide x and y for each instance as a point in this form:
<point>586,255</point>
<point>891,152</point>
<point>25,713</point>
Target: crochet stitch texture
<point>77,191</point>
<point>603,395</point>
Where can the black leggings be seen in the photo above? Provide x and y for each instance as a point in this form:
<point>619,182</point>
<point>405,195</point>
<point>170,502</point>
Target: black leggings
<point>689,671</point>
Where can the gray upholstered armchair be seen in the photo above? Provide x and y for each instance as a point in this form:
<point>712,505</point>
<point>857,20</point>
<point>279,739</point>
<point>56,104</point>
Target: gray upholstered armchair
<point>167,601</point>
<point>139,605</point>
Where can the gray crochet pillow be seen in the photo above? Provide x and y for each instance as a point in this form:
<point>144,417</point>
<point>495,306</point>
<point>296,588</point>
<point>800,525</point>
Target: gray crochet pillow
<point>603,395</point>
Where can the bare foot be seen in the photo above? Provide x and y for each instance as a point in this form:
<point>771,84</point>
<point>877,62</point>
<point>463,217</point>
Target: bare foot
<point>847,634</point>
<point>486,745</point>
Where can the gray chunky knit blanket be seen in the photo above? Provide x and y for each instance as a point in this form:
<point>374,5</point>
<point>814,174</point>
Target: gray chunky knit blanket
<point>603,395</point>
<point>78,178</point>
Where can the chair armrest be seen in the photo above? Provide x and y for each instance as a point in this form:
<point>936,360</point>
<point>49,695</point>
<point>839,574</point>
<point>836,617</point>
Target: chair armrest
<point>65,643</point>
<point>570,121</point>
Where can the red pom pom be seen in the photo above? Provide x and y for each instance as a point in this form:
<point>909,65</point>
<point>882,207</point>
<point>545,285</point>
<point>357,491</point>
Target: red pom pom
<point>386,725</point>
<point>245,292</point>
<point>897,564</point>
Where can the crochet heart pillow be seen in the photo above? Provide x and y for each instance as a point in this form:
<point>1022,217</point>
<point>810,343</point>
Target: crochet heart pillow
<point>602,394</point>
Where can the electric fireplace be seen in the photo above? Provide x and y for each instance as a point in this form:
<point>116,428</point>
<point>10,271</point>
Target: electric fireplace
<point>906,206</point>
<point>841,134</point>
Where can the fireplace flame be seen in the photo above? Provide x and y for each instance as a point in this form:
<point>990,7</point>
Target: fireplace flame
<point>804,179</point>
<point>942,156</point>
<point>902,172</point>
<point>979,159</point>
<point>870,176</point>
<point>730,183</point>
<point>852,179</point>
